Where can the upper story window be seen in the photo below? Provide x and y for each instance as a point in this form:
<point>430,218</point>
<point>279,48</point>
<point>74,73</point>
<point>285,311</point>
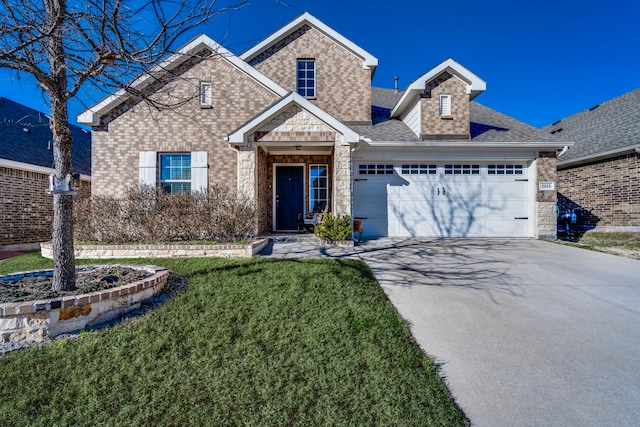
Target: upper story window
<point>306,71</point>
<point>205,94</point>
<point>445,104</point>
<point>175,172</point>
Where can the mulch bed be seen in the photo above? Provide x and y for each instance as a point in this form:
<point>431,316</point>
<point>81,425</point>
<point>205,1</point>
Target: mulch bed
<point>37,286</point>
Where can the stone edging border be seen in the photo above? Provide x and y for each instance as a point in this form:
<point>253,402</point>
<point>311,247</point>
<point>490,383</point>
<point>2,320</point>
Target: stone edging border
<point>35,320</point>
<point>161,251</point>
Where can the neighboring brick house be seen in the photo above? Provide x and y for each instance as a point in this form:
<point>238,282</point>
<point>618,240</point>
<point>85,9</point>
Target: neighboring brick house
<point>294,122</point>
<point>26,160</point>
<point>600,174</point>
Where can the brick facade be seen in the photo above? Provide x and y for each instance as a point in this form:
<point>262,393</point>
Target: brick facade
<point>26,210</point>
<point>343,85</point>
<point>189,127</point>
<point>609,189</point>
<point>435,126</point>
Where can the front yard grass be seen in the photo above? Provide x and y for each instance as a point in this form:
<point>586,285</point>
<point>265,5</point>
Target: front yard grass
<point>617,243</point>
<point>250,342</point>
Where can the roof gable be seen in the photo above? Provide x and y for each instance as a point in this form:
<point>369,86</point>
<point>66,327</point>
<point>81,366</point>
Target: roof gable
<point>25,137</point>
<point>239,136</point>
<point>368,60</point>
<point>475,85</point>
<point>92,115</point>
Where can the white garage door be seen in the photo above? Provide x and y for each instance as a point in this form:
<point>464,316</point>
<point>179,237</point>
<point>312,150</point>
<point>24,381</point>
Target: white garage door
<point>442,199</point>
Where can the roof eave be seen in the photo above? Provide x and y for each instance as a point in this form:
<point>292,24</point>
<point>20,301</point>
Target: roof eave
<point>92,115</point>
<point>546,145</point>
<point>600,156</point>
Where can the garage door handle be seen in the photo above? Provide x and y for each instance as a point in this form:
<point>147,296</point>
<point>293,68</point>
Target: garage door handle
<point>521,217</point>
<point>443,192</point>
<point>519,180</point>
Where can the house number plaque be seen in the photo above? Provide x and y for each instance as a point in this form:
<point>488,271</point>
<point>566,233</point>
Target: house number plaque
<point>546,186</point>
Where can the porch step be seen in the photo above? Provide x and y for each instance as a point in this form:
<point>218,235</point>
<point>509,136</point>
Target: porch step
<point>290,237</point>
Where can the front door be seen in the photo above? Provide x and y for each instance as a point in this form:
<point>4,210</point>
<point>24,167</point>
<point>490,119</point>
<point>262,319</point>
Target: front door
<point>289,196</point>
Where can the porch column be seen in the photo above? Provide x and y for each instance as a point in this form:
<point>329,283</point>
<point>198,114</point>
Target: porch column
<point>341,177</point>
<point>546,200</point>
<point>247,185</point>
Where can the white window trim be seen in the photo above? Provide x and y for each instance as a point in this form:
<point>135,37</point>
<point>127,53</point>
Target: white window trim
<point>205,94</point>
<point>445,104</point>
<point>160,181</point>
<point>315,77</point>
<point>309,207</point>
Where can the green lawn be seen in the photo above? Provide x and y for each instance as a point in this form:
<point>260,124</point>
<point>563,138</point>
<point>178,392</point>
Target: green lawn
<point>251,342</point>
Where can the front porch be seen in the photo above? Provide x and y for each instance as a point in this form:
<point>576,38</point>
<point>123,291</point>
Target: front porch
<point>292,157</point>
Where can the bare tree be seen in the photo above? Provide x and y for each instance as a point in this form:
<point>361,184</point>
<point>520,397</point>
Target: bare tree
<point>68,45</point>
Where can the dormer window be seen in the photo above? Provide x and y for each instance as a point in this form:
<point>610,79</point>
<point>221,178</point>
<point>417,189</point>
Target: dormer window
<point>306,71</point>
<point>205,94</point>
<point>445,104</point>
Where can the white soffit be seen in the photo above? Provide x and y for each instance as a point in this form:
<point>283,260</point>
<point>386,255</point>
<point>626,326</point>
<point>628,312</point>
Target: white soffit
<point>368,59</point>
<point>238,137</point>
<point>475,85</point>
<point>92,115</point>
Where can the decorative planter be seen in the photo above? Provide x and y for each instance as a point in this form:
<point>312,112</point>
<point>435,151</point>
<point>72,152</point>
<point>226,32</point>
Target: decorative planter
<point>36,320</point>
<point>161,251</point>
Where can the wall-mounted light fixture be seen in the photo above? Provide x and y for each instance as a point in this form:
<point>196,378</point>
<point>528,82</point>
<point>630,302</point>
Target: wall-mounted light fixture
<point>298,147</point>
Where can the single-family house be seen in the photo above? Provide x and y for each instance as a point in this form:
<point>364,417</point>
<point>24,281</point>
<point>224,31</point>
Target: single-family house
<point>600,175</point>
<point>294,122</point>
<point>26,160</point>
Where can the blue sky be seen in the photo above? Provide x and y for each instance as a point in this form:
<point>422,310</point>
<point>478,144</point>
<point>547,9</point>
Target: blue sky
<point>542,60</point>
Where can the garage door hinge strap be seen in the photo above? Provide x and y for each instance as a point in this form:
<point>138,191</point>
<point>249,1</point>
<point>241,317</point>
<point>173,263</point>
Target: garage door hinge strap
<point>521,217</point>
<point>521,180</point>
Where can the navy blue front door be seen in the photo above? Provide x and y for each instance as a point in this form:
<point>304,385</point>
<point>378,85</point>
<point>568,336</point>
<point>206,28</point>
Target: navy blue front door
<point>289,196</point>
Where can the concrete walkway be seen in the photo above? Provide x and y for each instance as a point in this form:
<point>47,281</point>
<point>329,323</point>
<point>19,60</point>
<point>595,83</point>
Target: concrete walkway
<point>528,333</point>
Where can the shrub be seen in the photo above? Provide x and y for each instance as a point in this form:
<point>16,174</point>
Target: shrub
<point>334,227</point>
<point>149,214</point>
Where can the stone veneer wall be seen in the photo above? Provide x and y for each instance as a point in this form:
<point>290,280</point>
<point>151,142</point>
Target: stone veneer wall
<point>343,86</point>
<point>26,210</point>
<point>265,192</point>
<point>546,201</point>
<point>610,188</point>
<point>342,178</point>
<point>455,126</point>
<point>186,128</point>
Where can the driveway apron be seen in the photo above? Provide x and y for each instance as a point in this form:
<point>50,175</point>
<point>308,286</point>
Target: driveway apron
<point>527,333</point>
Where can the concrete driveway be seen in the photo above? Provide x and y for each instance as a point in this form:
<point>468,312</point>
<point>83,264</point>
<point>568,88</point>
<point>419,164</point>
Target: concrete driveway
<point>528,333</point>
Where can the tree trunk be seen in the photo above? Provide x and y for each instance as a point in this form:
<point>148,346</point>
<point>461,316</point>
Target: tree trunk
<point>64,273</point>
<point>64,262</point>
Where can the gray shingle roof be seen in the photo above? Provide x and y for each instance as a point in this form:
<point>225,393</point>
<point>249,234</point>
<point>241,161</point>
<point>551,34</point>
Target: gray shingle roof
<point>612,125</point>
<point>487,125</point>
<point>33,147</point>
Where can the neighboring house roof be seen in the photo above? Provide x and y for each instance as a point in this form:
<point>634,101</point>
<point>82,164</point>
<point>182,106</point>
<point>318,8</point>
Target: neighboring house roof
<point>25,137</point>
<point>92,115</point>
<point>602,131</point>
<point>475,85</point>
<point>308,19</point>
<point>487,125</point>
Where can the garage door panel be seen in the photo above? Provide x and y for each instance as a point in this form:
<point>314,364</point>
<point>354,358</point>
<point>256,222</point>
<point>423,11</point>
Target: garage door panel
<point>507,228</point>
<point>465,202</point>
